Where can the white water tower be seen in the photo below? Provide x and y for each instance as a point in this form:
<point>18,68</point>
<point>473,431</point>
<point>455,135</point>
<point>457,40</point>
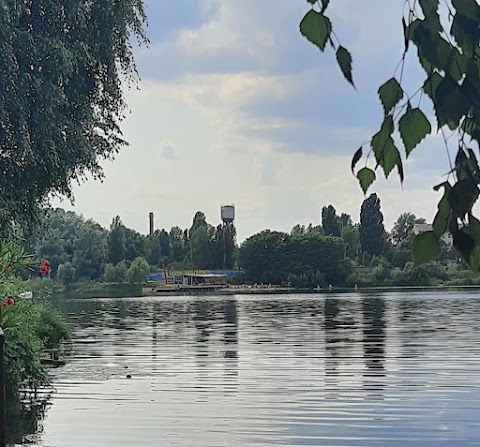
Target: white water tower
<point>227,213</point>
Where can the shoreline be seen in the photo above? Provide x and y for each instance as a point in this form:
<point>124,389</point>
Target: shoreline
<point>196,290</point>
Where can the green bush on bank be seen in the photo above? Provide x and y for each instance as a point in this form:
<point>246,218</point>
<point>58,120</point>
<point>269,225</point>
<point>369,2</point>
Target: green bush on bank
<point>31,329</point>
<point>31,326</point>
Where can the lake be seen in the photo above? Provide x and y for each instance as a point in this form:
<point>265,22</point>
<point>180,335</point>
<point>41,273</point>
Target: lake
<point>386,369</point>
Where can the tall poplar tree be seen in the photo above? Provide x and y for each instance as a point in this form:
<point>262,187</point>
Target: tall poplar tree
<point>372,231</point>
<point>445,38</point>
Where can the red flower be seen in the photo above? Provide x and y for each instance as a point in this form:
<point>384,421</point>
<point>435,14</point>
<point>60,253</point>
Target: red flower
<point>45,267</point>
<point>5,304</point>
<point>10,300</point>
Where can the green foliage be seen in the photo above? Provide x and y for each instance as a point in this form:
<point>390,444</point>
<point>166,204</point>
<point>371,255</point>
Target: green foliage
<point>164,243</point>
<point>89,252</point>
<point>442,218</point>
<point>154,256</point>
<point>448,51</point>
<point>414,127</point>
<point>54,237</point>
<point>356,158</point>
<point>116,248</point>
<point>51,327</point>
<point>426,247</point>
<point>63,67</point>
<point>136,245</point>
<point>317,28</point>
<point>138,271</point>
<point>372,231</point>
<point>330,221</point>
<point>402,231</point>
<point>13,260</point>
<point>390,94</point>
<point>227,236</point>
<point>29,327</point>
<point>344,59</point>
<point>39,327</point>
<point>308,280</point>
<point>121,272</point>
<point>383,147</point>
<point>351,236</point>
<point>271,256</point>
<point>383,274</point>
<point>66,273</point>
<point>115,273</point>
<point>178,244</point>
<point>366,177</point>
<point>199,255</point>
<point>69,240</point>
<point>109,274</point>
<point>208,246</point>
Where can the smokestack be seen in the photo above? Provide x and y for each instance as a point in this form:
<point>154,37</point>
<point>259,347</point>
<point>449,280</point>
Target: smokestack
<point>150,218</point>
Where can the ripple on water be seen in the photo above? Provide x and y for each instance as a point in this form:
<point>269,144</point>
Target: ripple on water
<point>320,370</point>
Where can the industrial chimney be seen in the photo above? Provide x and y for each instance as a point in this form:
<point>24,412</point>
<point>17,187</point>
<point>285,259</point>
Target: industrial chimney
<point>150,219</point>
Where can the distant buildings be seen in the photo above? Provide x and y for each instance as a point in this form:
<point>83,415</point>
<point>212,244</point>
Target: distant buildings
<point>421,228</point>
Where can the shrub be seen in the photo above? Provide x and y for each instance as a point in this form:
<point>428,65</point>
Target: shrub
<point>30,326</point>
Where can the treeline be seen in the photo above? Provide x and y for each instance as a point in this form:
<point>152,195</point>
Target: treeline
<point>300,259</point>
<point>341,253</point>
<point>80,249</point>
<point>337,252</point>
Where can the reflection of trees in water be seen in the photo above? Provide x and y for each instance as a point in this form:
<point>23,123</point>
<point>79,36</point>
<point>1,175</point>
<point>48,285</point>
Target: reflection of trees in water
<point>155,320</point>
<point>341,336</point>
<point>374,327</point>
<point>331,340</point>
<point>216,339</point>
<point>230,340</point>
<point>354,350</point>
<point>230,335</point>
<point>24,418</point>
<point>202,317</point>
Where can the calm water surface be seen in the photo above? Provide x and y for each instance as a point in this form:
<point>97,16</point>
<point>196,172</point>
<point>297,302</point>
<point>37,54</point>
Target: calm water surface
<point>296,370</point>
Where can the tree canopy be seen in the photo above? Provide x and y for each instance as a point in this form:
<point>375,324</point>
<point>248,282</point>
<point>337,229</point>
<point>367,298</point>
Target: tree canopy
<point>372,231</point>
<point>80,249</point>
<point>330,221</point>
<point>447,45</point>
<point>276,257</point>
<point>402,231</point>
<point>62,70</point>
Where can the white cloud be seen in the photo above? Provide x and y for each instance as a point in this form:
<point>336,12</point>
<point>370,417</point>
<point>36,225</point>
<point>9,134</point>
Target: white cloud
<point>238,107</point>
<point>168,150</point>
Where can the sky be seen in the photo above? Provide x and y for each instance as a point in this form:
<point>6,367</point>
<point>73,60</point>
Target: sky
<point>234,106</point>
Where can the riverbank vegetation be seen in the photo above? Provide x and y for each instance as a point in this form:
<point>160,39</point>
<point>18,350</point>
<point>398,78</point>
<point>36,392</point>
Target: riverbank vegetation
<point>33,331</point>
<point>81,251</point>
<point>64,69</point>
<point>88,259</point>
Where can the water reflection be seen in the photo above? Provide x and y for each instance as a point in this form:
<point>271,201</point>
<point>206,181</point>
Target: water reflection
<point>24,418</point>
<point>356,370</point>
<point>201,313</point>
<point>374,344</point>
<point>332,341</point>
<point>230,335</point>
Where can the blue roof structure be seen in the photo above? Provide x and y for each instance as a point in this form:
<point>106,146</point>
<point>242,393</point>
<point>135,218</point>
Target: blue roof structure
<point>228,273</point>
